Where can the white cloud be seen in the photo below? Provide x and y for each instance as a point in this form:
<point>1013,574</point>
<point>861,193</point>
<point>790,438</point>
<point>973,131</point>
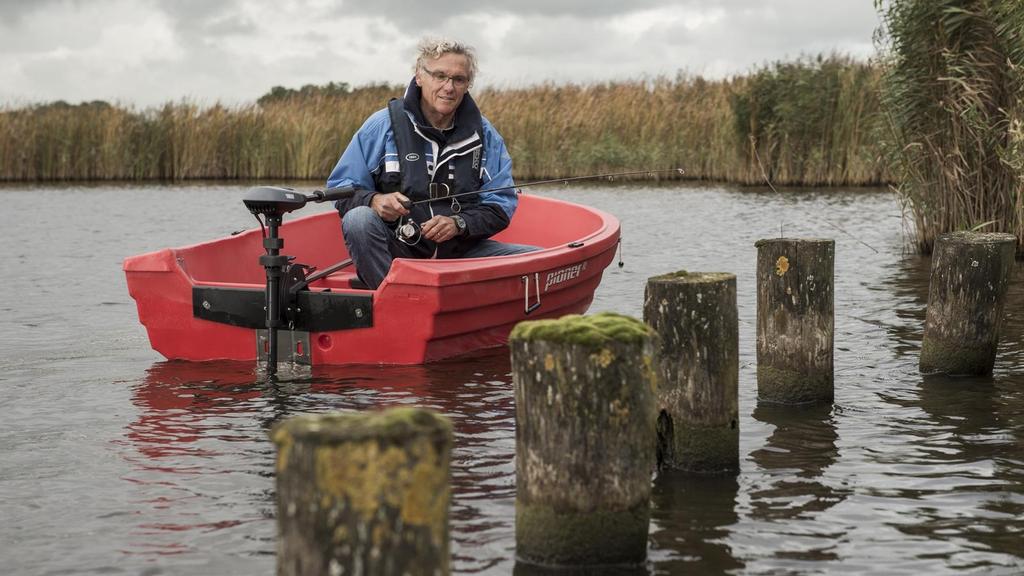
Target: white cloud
<point>152,51</point>
<point>646,21</point>
<point>71,52</point>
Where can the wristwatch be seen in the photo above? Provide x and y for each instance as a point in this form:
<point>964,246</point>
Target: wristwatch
<point>460,223</point>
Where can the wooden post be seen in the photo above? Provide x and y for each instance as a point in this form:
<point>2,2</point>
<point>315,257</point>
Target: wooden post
<point>970,275</point>
<point>795,323</point>
<point>695,315</point>
<point>584,390</point>
<point>363,493</point>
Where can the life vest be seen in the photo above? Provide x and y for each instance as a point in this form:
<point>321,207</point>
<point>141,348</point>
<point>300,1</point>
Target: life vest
<point>454,168</point>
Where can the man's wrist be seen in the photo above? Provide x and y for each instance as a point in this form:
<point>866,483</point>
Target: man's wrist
<point>460,224</point>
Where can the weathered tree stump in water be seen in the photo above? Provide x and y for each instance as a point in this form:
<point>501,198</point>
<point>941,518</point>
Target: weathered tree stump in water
<point>694,313</point>
<point>584,389</point>
<point>795,323</point>
<point>363,493</point>
<point>970,274</point>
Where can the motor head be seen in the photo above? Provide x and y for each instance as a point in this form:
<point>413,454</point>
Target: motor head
<point>273,200</point>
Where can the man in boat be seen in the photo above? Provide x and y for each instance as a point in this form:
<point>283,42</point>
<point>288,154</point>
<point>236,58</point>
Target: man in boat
<point>433,143</point>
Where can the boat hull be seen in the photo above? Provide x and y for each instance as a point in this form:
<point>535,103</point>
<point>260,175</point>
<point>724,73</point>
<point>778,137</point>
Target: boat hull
<point>425,310</point>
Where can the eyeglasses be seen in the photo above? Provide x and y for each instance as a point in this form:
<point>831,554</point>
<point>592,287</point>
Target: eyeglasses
<point>442,78</point>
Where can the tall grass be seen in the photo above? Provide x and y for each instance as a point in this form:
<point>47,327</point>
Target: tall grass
<point>287,139</point>
<point>812,121</point>
<point>953,93</point>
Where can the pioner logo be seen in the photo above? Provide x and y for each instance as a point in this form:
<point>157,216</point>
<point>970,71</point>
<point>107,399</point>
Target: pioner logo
<point>559,276</point>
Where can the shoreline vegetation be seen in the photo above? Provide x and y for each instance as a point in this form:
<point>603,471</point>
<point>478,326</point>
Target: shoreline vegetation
<point>815,121</point>
<point>938,117</point>
<point>953,97</point>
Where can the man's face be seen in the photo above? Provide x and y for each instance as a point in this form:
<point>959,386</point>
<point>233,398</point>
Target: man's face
<point>444,81</point>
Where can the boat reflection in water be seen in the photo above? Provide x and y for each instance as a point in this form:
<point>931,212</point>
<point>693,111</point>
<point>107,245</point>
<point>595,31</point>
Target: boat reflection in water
<point>202,461</point>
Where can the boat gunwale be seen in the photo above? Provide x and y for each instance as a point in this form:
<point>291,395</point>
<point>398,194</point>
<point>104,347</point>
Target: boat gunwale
<point>437,272</point>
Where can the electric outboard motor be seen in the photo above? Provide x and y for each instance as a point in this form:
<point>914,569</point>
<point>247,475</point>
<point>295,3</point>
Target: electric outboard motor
<point>284,279</point>
<point>273,201</point>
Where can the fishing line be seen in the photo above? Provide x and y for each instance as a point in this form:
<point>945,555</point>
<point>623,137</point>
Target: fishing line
<point>516,187</point>
<point>764,174</point>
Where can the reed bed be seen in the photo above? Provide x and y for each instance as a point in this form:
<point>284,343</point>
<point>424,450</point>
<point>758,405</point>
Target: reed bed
<point>812,121</point>
<point>953,93</point>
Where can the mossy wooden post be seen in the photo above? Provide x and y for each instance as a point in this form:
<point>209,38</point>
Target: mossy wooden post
<point>363,493</point>
<point>584,389</point>
<point>970,275</point>
<point>694,313</point>
<point>795,323</point>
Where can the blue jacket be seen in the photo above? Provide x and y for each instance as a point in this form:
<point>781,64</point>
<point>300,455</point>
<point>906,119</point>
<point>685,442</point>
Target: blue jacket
<point>372,155</point>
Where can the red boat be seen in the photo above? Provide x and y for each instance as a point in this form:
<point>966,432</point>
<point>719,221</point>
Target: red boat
<point>207,301</point>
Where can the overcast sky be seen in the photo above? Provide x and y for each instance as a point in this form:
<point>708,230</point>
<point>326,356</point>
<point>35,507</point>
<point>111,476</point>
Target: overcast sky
<point>147,52</point>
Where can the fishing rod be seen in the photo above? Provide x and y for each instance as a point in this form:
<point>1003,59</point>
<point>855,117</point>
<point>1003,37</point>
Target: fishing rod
<point>409,204</point>
<point>343,192</point>
<point>409,232</point>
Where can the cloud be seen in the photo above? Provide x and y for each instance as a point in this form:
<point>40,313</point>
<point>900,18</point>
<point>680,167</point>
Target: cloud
<point>54,53</point>
<point>413,17</point>
<point>13,11</point>
<point>152,51</point>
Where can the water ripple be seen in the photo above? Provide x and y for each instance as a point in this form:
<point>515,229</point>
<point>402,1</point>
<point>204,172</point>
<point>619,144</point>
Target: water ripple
<point>115,461</point>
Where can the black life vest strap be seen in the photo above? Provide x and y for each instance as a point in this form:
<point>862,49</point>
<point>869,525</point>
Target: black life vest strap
<point>412,163</point>
<point>463,169</point>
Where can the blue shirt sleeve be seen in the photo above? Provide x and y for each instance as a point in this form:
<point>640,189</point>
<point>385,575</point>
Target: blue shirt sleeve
<point>497,171</point>
<point>364,155</point>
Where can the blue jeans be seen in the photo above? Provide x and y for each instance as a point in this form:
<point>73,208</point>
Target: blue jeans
<point>372,245</point>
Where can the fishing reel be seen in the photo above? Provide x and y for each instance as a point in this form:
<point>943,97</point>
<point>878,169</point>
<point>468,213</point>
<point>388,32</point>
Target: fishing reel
<point>409,232</point>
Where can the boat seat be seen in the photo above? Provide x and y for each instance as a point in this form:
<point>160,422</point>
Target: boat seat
<point>341,280</point>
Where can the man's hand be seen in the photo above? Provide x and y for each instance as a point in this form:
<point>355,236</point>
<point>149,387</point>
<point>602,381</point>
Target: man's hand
<point>439,229</point>
<point>389,206</point>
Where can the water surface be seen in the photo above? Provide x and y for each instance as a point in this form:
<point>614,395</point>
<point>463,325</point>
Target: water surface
<point>116,461</point>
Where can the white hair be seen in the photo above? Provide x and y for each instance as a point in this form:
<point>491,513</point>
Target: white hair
<point>434,48</point>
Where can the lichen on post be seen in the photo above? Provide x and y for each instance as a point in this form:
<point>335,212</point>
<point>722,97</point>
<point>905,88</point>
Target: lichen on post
<point>695,315</point>
<point>363,493</point>
<point>795,320</point>
<point>970,275</point>
<point>584,389</point>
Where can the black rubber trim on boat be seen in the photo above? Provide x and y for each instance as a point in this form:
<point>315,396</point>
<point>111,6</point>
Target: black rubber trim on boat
<point>317,311</point>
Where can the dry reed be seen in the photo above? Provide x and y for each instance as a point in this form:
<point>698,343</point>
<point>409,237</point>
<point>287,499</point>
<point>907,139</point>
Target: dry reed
<point>813,121</point>
<point>953,95</point>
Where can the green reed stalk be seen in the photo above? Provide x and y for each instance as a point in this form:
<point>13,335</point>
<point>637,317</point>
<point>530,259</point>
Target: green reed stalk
<point>952,94</point>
